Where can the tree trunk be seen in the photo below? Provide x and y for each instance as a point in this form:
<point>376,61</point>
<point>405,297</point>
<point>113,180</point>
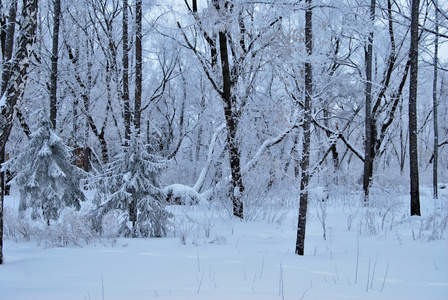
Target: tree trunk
<point>126,102</point>
<point>435,104</point>
<point>54,62</point>
<point>306,141</point>
<point>229,99</point>
<point>133,211</point>
<point>138,65</point>
<point>369,145</point>
<point>231,121</point>
<point>7,39</point>
<point>15,86</point>
<point>413,150</point>
<point>2,197</point>
<point>7,46</point>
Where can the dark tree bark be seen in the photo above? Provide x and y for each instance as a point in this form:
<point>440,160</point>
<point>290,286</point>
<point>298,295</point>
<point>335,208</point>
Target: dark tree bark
<point>126,102</point>
<point>231,120</point>
<point>413,150</point>
<point>138,65</point>
<point>383,105</point>
<point>435,104</point>
<point>54,62</point>
<point>368,158</point>
<point>133,211</point>
<point>231,117</point>
<point>15,86</point>
<point>127,105</point>
<point>306,142</point>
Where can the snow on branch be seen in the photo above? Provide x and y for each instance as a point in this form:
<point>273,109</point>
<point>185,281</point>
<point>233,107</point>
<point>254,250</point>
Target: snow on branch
<point>211,148</point>
<point>340,136</point>
<point>251,163</point>
<point>267,144</point>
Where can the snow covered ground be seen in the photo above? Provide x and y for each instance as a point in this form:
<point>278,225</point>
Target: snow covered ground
<point>209,255</point>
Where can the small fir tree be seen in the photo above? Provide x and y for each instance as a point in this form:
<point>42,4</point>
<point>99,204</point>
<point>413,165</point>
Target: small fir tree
<point>47,180</point>
<point>133,181</point>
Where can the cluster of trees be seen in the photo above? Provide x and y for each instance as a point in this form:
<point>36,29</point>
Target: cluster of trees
<point>234,99</point>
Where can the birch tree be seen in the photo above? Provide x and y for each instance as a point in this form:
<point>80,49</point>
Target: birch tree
<point>15,87</point>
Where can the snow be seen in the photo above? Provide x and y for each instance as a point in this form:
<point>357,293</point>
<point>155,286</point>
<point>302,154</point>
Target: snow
<point>183,193</point>
<point>225,258</point>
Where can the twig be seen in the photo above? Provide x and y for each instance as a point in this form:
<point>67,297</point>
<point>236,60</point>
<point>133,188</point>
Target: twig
<point>304,294</point>
<point>200,282</point>
<point>368,278</point>
<point>262,268</point>
<point>373,272</point>
<point>357,259</point>
<point>280,283</point>
<point>199,265</point>
<point>385,275</point>
<point>102,285</point>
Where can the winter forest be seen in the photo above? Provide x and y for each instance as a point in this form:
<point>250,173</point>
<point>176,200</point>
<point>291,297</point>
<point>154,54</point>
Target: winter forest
<point>299,146</point>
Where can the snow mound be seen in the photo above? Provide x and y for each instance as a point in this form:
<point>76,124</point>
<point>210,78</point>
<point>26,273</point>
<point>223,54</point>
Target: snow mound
<point>182,195</point>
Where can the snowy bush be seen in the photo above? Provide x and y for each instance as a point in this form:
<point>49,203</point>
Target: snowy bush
<point>16,227</point>
<point>182,228</point>
<point>431,227</point>
<point>72,228</point>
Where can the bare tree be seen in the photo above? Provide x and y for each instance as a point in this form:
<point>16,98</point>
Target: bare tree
<point>126,101</point>
<point>413,150</point>
<point>54,62</point>
<point>306,142</point>
<point>231,116</point>
<point>368,158</point>
<point>435,102</point>
<point>138,65</point>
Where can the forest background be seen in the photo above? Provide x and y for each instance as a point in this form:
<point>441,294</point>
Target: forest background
<point>233,102</point>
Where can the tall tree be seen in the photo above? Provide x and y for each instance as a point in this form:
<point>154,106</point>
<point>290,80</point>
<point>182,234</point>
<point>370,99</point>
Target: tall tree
<point>54,62</point>
<point>413,150</point>
<point>15,86</point>
<point>7,39</point>
<point>133,210</point>
<point>126,101</point>
<point>138,65</point>
<point>368,158</point>
<point>435,102</point>
<point>225,72</point>
<point>8,26</point>
<point>231,116</point>
<point>306,141</point>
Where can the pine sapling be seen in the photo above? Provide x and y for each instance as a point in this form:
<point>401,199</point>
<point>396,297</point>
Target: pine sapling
<point>47,180</point>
